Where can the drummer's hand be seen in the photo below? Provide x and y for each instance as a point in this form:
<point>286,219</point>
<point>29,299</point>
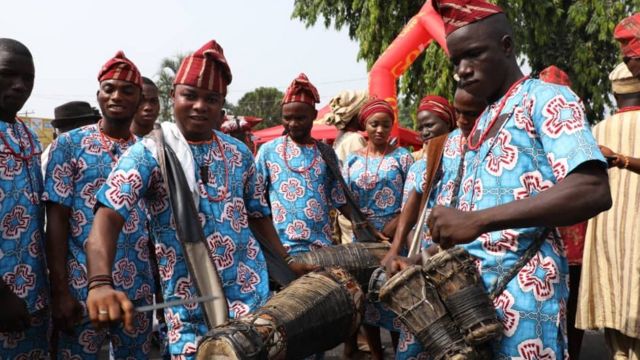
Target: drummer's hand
<point>300,269</point>
<point>116,305</point>
<point>450,227</point>
<point>400,263</point>
<point>389,258</point>
<point>380,236</point>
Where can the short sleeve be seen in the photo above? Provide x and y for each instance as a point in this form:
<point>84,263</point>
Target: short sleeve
<point>255,193</point>
<point>338,197</point>
<point>559,119</point>
<point>136,171</point>
<point>60,172</point>
<point>406,161</point>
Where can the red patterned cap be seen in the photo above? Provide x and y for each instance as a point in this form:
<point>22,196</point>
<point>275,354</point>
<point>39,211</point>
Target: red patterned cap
<point>554,75</point>
<point>460,13</point>
<point>440,107</point>
<point>206,68</point>
<point>627,32</point>
<point>372,107</point>
<point>301,90</point>
<point>120,68</point>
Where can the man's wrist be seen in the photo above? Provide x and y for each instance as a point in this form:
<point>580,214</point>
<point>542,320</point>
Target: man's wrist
<point>483,221</point>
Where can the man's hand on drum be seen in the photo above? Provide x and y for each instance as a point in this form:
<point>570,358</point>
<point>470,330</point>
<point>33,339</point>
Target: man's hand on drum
<point>450,227</point>
<point>396,264</point>
<point>301,269</point>
<point>106,306</point>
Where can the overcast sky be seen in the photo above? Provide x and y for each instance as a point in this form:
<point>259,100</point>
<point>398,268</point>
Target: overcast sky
<point>71,39</point>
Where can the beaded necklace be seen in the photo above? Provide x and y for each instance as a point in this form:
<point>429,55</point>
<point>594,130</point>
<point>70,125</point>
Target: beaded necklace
<point>225,189</point>
<point>26,158</point>
<point>302,170</point>
<point>366,166</point>
<point>493,120</point>
<point>32,152</point>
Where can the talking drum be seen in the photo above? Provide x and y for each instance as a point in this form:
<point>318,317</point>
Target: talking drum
<point>314,313</point>
<point>419,308</point>
<point>460,287</point>
<point>360,259</point>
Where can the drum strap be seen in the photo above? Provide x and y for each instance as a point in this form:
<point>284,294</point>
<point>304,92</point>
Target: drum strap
<point>204,274</point>
<point>361,228</point>
<point>529,253</point>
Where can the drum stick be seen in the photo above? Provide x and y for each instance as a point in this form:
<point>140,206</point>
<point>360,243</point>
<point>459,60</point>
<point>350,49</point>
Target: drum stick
<point>417,235</point>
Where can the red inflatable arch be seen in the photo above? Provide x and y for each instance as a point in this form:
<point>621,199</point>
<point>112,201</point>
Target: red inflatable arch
<point>414,38</point>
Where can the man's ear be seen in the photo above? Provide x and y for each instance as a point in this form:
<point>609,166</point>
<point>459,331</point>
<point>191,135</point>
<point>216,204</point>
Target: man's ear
<point>507,44</point>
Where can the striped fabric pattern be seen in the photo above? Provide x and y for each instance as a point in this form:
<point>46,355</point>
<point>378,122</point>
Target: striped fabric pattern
<point>460,13</point>
<point>610,285</point>
<point>206,68</point>
<point>120,68</point>
<point>301,90</point>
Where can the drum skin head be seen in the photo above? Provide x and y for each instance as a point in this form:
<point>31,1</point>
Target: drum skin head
<point>217,349</point>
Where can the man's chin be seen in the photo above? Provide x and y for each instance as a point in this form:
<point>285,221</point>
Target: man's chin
<point>119,118</point>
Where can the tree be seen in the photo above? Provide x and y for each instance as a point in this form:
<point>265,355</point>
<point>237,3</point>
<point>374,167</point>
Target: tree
<point>168,70</point>
<point>575,35</point>
<point>263,102</point>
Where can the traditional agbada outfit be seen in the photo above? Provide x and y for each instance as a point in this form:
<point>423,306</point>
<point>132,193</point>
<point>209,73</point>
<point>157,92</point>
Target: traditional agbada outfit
<point>543,139</point>
<point>610,290</point>
<point>227,195</point>
<point>22,262</point>
<point>79,163</point>
<point>301,190</point>
<point>232,247</point>
<point>299,185</point>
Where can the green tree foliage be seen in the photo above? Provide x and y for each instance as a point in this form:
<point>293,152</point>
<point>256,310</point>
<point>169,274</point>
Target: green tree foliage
<point>263,102</point>
<point>168,69</point>
<point>575,35</point>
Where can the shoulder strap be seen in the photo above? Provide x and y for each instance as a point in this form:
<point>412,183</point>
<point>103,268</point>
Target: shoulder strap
<point>529,253</point>
<point>204,274</point>
<point>361,229</point>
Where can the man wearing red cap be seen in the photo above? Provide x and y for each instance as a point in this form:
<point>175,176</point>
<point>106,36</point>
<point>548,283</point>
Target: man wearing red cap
<point>79,163</point>
<point>24,289</point>
<point>301,188</point>
<point>219,172</point>
<point>627,32</point>
<point>530,164</point>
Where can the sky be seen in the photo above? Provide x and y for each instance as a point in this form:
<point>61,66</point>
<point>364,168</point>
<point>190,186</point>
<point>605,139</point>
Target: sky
<point>71,39</point>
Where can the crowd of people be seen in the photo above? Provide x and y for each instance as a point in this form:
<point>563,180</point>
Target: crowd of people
<point>120,212</point>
